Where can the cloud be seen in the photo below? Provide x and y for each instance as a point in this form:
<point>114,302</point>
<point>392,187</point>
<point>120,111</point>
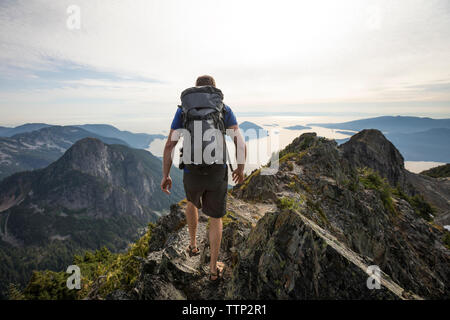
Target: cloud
<point>262,53</point>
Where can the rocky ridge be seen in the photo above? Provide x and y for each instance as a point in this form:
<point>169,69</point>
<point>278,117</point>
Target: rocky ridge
<point>310,232</point>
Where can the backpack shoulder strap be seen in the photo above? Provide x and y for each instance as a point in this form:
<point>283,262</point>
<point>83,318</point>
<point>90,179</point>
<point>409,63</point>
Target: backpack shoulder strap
<point>183,116</point>
<point>224,110</point>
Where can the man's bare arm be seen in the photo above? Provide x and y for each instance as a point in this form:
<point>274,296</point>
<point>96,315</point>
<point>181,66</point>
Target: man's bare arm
<point>241,153</point>
<point>172,140</point>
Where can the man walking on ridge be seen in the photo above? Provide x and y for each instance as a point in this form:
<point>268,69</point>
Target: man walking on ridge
<point>205,180</point>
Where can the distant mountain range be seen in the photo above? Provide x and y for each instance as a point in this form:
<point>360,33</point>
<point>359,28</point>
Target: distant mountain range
<point>34,146</point>
<point>418,139</point>
<point>95,195</point>
<point>135,140</point>
<point>389,124</point>
<point>28,127</point>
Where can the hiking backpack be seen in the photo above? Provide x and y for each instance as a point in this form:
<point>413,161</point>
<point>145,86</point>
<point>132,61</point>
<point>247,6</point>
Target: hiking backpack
<point>203,107</point>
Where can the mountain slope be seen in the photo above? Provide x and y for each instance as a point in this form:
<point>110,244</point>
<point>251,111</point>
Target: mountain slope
<point>438,172</point>
<point>95,195</point>
<point>37,149</point>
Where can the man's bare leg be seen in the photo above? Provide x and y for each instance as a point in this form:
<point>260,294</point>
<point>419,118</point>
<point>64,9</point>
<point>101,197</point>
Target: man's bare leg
<point>215,237</point>
<point>192,221</point>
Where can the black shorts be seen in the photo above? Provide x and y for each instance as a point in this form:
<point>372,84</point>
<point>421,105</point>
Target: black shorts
<point>207,189</point>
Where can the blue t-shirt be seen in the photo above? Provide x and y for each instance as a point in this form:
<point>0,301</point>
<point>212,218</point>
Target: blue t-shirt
<point>230,120</point>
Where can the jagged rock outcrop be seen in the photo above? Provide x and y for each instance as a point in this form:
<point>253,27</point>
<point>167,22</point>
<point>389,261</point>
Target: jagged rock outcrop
<point>310,231</point>
<point>369,148</point>
<point>286,258</point>
<point>263,188</point>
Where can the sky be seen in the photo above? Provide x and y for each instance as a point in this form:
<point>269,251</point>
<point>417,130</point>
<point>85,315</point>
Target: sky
<point>131,59</point>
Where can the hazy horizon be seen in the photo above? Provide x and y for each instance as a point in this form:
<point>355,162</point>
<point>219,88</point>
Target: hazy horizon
<point>161,124</point>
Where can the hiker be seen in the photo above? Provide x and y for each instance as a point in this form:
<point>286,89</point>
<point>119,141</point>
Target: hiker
<point>205,181</point>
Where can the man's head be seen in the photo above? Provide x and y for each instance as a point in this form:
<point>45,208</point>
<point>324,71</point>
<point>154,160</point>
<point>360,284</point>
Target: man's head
<point>205,81</point>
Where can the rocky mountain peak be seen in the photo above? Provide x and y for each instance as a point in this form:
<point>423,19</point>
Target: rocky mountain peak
<point>88,155</point>
<point>370,148</point>
<point>117,168</point>
<point>301,143</point>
